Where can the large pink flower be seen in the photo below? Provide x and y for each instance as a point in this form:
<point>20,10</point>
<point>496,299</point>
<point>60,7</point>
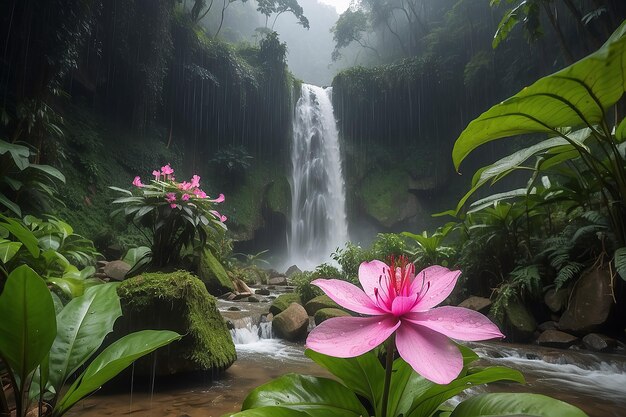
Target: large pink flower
<point>399,301</point>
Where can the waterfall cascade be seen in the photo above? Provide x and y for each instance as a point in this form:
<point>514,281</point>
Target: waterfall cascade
<point>318,212</point>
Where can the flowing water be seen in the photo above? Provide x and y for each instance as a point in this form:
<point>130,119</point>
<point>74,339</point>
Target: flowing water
<point>318,213</point>
<point>594,382</point>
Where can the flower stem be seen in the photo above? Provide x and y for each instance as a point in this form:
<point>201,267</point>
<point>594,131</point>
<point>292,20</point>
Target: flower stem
<point>389,347</point>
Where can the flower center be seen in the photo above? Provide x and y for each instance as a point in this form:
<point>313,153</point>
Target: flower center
<point>395,281</point>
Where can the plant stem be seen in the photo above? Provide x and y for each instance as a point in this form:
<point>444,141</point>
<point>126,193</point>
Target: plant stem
<point>390,347</point>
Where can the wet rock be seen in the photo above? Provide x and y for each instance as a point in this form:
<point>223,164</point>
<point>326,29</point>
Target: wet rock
<point>279,280</point>
<point>556,300</point>
<point>242,295</point>
<point>319,302</point>
<point>262,291</point>
<point>233,308</point>
<point>547,325</point>
<point>253,299</point>
<point>557,339</point>
<point>292,323</point>
<point>328,313</point>
<point>283,301</point>
<point>293,269</point>
<point>599,342</point>
<point>520,323</point>
<point>116,270</point>
<point>480,304</point>
<point>241,286</point>
<point>229,296</point>
<point>591,302</point>
<point>213,274</point>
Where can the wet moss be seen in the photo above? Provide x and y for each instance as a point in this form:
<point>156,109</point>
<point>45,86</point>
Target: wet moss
<point>382,192</point>
<point>283,301</point>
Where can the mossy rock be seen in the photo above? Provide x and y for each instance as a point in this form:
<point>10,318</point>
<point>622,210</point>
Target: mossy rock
<point>384,195</point>
<point>328,313</point>
<point>213,274</point>
<point>283,301</point>
<point>176,301</point>
<point>318,303</point>
<point>520,323</point>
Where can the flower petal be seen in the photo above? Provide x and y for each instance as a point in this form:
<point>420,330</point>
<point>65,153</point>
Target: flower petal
<point>402,305</point>
<point>348,296</point>
<point>430,354</point>
<point>456,322</point>
<point>438,282</point>
<point>347,337</point>
<point>369,276</point>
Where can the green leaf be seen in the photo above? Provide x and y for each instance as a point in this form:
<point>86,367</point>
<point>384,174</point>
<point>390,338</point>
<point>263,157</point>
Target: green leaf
<point>28,324</point>
<point>578,95</point>
<point>10,205</point>
<point>81,327</point>
<point>113,360</point>
<point>268,412</point>
<point>71,287</point>
<point>362,374</point>
<point>508,22</point>
<point>50,171</point>
<point>620,131</point>
<point>121,190</point>
<point>620,262</point>
<point>19,153</point>
<point>318,397</point>
<point>137,256</point>
<point>517,404</point>
<point>8,250</point>
<point>22,234</point>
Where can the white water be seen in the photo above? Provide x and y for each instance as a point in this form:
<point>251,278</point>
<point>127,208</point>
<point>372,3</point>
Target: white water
<point>318,213</point>
<point>257,341</point>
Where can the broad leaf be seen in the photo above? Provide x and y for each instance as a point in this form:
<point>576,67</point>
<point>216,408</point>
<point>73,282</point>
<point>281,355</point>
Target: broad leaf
<point>318,397</point>
<point>578,95</point>
<point>113,360</point>
<point>620,262</point>
<point>268,412</point>
<point>4,200</point>
<point>510,19</point>
<point>532,405</point>
<point>620,131</point>
<point>8,250</point>
<point>22,234</point>
<point>50,171</point>
<point>19,153</point>
<point>28,324</point>
<point>121,190</point>
<point>81,327</point>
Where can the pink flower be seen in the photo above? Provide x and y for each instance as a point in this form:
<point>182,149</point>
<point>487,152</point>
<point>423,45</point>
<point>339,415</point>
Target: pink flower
<point>218,199</point>
<point>199,193</point>
<point>218,216</point>
<point>185,185</point>
<point>137,182</point>
<point>400,302</point>
<point>185,197</point>
<point>195,181</point>
<point>170,197</point>
<point>173,205</point>
<point>156,174</point>
<point>167,170</point>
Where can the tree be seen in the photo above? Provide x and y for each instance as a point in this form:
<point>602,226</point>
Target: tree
<point>278,7</point>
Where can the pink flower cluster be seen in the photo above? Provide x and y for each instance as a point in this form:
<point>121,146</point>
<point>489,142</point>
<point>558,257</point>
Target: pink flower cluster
<point>191,189</point>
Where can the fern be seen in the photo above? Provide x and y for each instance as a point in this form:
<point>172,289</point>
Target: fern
<point>570,271</point>
<point>620,262</point>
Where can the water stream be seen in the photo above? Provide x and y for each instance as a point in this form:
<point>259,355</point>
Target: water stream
<point>318,213</point>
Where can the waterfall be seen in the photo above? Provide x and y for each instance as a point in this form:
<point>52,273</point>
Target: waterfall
<point>318,199</point>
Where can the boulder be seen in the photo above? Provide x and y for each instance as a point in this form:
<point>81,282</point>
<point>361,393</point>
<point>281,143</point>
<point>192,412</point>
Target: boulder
<point>116,270</point>
<point>213,274</point>
<point>599,342</point>
<point>279,280</point>
<point>176,301</point>
<point>319,302</point>
<point>253,299</point>
<point>590,304</point>
<point>293,269</point>
<point>520,323</point>
<point>283,301</point>
<point>241,287</point>
<point>557,339</point>
<point>556,300</point>
<point>547,325</point>
<point>242,295</point>
<point>480,304</point>
<point>262,291</point>
<point>292,323</point>
<point>328,313</point>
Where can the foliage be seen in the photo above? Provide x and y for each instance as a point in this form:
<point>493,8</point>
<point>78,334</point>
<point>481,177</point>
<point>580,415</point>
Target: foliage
<point>177,216</point>
<point>278,7</point>
<point>429,250</point>
<point>232,162</point>
<point>302,281</point>
<point>46,349</point>
<point>349,258</point>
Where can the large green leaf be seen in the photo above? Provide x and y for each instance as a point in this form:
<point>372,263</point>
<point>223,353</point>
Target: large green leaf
<point>318,397</point>
<point>8,250</point>
<point>4,200</point>
<point>578,95</point>
<point>113,360</point>
<point>19,153</point>
<point>81,327</point>
<point>517,404</point>
<point>27,324</point>
<point>363,374</point>
<point>50,171</point>
<point>620,131</point>
<point>268,412</point>
<point>21,233</point>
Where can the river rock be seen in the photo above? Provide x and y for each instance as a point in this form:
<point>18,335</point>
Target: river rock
<point>262,291</point>
<point>556,300</point>
<point>292,323</point>
<point>242,295</point>
<point>328,313</point>
<point>283,301</point>
<point>547,325</point>
<point>116,270</point>
<point>279,280</point>
<point>241,286</point>
<point>213,274</point>
<point>591,302</point>
<point>520,323</point>
<point>176,301</point>
<point>599,342</point>
<point>480,304</point>
<point>319,302</point>
<point>557,339</point>
<point>293,269</point>
<point>253,299</point>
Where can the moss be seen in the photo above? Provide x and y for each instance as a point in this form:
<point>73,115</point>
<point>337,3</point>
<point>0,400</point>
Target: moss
<point>213,274</point>
<point>382,192</point>
<point>318,303</point>
<point>283,301</point>
<point>328,313</point>
<point>278,196</point>
<point>178,301</point>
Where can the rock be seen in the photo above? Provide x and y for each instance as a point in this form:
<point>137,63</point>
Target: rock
<point>280,280</point>
<point>557,339</point>
<point>319,302</point>
<point>520,324</point>
<point>480,304</point>
<point>242,295</point>
<point>282,302</point>
<point>292,323</point>
<point>241,286</point>
<point>262,291</point>
<point>599,342</point>
<point>101,264</point>
<point>590,304</point>
<point>293,269</point>
<point>253,299</point>
<point>327,313</point>
<point>556,300</point>
<point>176,301</point>
<point>116,270</point>
<point>272,273</point>
<point>213,274</point>
<point>547,325</point>
<point>233,308</point>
